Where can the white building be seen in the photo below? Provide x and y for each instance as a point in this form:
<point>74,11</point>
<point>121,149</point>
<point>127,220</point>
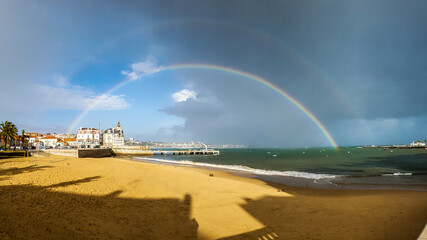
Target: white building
<point>32,140</point>
<point>49,141</point>
<point>113,136</point>
<point>417,144</point>
<point>132,141</point>
<point>64,136</point>
<point>72,142</point>
<point>60,143</point>
<point>33,137</point>
<point>88,137</point>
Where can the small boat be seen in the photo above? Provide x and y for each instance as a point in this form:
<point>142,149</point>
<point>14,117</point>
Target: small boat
<point>274,155</point>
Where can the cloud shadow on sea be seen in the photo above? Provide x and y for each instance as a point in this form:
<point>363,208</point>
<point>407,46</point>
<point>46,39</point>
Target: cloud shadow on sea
<point>402,161</point>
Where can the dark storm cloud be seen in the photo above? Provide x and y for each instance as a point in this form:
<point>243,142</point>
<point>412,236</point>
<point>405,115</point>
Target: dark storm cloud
<point>373,54</point>
<point>352,61</point>
<point>235,109</point>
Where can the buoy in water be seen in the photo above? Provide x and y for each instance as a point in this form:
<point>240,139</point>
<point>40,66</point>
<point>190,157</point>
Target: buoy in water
<point>326,156</point>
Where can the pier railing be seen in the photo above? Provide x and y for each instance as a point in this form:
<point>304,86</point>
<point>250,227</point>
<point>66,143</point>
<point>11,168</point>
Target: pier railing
<point>186,152</point>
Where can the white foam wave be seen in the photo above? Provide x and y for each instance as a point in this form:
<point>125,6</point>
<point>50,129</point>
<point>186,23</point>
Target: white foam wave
<point>398,174</point>
<point>241,168</point>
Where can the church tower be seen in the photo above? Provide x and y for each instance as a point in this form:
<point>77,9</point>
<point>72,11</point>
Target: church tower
<point>119,129</point>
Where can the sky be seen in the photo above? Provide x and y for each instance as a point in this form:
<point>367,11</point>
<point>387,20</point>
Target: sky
<point>359,68</point>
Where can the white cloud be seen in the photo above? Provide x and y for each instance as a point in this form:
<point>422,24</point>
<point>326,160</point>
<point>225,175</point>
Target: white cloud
<point>74,97</point>
<point>139,69</point>
<point>108,102</point>
<point>184,95</point>
<point>60,80</point>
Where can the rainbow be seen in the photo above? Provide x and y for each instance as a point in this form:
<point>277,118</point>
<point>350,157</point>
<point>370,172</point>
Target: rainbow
<point>263,37</point>
<point>313,118</point>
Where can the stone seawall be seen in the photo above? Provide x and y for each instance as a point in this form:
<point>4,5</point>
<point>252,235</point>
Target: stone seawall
<point>81,153</point>
<point>6,154</point>
<point>99,152</point>
<point>95,153</point>
<point>62,152</point>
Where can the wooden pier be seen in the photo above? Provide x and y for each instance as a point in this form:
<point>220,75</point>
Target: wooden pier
<point>186,152</point>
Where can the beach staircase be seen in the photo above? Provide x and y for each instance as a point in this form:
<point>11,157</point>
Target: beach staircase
<point>261,234</point>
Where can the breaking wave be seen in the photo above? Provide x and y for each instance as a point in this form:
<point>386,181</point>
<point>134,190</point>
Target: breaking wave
<point>398,174</point>
<point>241,168</point>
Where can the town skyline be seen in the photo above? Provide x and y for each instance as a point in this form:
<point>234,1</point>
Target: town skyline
<point>113,138</point>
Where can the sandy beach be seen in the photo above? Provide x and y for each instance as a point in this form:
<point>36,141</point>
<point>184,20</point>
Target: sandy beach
<point>61,197</point>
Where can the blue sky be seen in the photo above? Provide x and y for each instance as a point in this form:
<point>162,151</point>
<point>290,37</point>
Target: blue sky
<point>359,66</point>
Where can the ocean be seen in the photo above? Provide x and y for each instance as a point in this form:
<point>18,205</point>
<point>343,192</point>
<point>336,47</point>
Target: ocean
<point>346,168</point>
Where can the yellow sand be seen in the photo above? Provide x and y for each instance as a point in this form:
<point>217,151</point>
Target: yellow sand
<point>108,198</point>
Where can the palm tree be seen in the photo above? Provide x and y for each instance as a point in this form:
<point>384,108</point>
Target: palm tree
<point>3,130</point>
<point>23,137</point>
<point>8,130</point>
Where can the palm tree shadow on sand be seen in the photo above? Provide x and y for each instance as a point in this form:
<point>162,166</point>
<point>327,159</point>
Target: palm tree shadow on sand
<point>34,212</point>
<point>7,173</point>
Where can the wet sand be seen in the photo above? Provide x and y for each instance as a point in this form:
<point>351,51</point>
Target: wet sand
<point>107,198</point>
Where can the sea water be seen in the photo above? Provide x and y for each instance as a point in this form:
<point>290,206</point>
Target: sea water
<point>346,167</point>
